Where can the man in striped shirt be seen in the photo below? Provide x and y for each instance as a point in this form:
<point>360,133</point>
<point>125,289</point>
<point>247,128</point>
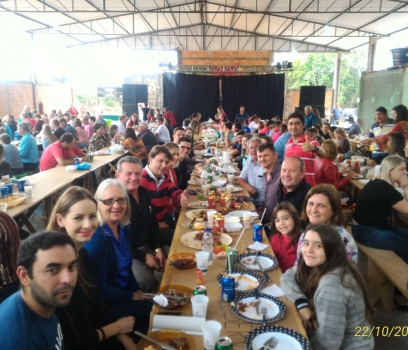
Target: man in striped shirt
<point>302,146</point>
<point>161,189</point>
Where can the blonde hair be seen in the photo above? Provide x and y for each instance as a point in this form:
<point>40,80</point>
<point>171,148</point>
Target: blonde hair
<point>389,163</point>
<point>47,133</point>
<point>99,193</point>
<point>330,148</point>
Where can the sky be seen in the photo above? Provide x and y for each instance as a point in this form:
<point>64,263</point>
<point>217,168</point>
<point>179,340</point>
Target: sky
<point>87,67</point>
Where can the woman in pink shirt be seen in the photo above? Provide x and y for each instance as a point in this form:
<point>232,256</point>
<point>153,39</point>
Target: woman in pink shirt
<point>83,139</point>
<point>282,130</point>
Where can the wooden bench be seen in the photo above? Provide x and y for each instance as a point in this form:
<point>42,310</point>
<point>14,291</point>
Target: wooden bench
<point>385,270</point>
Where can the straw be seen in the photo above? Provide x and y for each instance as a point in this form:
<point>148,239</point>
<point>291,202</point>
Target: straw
<point>229,264</point>
<point>263,215</point>
<point>239,238</point>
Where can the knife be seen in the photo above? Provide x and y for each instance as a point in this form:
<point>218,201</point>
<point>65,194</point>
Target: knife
<point>164,346</point>
<point>257,301</point>
<point>265,274</point>
<point>190,225</point>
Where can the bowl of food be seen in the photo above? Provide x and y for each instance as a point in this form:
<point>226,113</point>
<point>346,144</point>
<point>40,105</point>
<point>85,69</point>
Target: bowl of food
<point>176,339</point>
<point>182,260</point>
<point>182,293</point>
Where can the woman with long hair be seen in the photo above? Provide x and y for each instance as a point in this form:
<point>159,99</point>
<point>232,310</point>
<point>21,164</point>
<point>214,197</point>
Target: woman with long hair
<point>135,145</point>
<point>329,292</point>
<point>47,136</point>
<point>343,144</point>
<point>377,201</point>
<point>220,114</point>
<point>83,139</point>
<point>133,121</point>
<point>87,321</point>
<point>322,205</point>
<point>174,149</point>
<point>326,171</point>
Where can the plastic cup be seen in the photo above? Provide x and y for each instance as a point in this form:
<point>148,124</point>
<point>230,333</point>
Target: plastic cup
<point>202,261</point>
<point>210,216</point>
<point>247,218</point>
<point>199,304</point>
<point>211,333</point>
<point>205,188</point>
<point>229,188</point>
<point>230,178</point>
<point>3,207</point>
<point>28,190</point>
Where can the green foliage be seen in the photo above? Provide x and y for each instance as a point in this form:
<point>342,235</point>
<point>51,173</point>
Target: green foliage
<point>318,70</point>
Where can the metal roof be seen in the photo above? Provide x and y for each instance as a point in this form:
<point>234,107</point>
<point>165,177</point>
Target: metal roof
<point>276,25</point>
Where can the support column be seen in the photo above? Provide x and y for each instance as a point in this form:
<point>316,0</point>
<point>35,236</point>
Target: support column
<point>336,80</point>
<point>33,75</point>
<point>372,46</point>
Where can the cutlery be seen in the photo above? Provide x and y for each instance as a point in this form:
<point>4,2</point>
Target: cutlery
<point>190,225</point>
<point>164,346</point>
<point>257,301</point>
<point>263,271</point>
<point>256,258</point>
<point>270,344</point>
<point>237,281</point>
<point>264,311</point>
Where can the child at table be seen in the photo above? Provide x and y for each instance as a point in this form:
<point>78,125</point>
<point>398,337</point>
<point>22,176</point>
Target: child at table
<point>286,230</point>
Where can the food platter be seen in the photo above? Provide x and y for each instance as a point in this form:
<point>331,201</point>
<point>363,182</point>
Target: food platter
<point>287,338</point>
<point>198,205</point>
<point>188,239</point>
<point>244,308</point>
<point>198,214</point>
<point>172,338</point>
<point>175,291</point>
<point>248,282</point>
<point>248,261</point>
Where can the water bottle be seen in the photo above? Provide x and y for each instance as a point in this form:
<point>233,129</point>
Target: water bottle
<point>208,244</point>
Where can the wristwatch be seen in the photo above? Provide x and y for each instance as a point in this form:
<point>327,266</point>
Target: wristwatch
<point>316,149</point>
<point>157,250</point>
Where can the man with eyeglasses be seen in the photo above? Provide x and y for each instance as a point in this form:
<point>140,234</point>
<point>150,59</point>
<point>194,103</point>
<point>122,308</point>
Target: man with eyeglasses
<point>186,165</point>
<point>251,177</point>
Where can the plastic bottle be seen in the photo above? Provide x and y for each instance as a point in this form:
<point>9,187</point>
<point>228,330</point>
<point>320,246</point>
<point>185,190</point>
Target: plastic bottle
<point>208,244</point>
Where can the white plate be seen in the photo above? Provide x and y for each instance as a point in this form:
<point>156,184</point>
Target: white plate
<point>191,214</point>
<point>268,262</point>
<point>188,240</point>
<point>198,205</point>
<point>237,189</point>
<point>219,183</point>
<point>240,213</point>
<point>285,341</point>
<point>248,282</point>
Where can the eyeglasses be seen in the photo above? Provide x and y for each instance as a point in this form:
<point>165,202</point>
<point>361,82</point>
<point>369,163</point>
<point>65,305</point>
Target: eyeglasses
<point>187,148</point>
<point>111,202</point>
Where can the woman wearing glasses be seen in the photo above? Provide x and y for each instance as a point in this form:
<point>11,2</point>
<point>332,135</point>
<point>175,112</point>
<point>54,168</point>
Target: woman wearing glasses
<point>111,257</point>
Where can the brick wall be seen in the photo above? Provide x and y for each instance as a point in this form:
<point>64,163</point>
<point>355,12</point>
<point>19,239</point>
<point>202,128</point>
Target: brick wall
<point>14,95</point>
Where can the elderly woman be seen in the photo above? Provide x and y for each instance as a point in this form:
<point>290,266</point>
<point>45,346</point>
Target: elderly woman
<point>326,170</point>
<point>322,205</point>
<point>86,323</point>
<point>98,140</point>
<point>111,256</point>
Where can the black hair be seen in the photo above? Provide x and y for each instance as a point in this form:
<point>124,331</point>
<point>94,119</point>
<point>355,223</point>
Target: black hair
<point>298,115</point>
<point>43,240</point>
<point>382,110</point>
<point>263,146</point>
<point>67,137</point>
<point>184,139</point>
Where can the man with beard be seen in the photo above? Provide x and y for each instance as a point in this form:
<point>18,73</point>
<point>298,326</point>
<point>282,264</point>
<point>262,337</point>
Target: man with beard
<point>47,270</point>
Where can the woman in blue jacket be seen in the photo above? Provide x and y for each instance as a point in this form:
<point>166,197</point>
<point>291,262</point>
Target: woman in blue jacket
<point>111,257</point>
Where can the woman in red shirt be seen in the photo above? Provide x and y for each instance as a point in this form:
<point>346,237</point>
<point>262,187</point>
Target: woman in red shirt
<point>287,230</point>
<point>326,170</point>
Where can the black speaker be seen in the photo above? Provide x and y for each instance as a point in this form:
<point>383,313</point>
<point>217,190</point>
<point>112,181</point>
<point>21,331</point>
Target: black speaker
<point>130,109</point>
<point>312,95</point>
<point>134,94</point>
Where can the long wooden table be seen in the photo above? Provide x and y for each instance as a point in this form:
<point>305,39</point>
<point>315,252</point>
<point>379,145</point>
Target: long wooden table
<point>218,310</point>
<point>49,182</point>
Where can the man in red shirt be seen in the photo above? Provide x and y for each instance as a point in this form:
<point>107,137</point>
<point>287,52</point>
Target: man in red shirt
<point>169,114</point>
<point>302,146</point>
<point>58,153</point>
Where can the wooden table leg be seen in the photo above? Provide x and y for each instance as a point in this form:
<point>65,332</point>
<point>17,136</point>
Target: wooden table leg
<point>379,287</point>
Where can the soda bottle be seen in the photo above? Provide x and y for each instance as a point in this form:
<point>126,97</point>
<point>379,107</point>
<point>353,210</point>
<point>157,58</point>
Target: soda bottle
<point>208,244</point>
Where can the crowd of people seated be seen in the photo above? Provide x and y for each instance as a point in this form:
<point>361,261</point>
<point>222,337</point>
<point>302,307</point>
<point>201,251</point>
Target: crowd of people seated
<point>82,281</point>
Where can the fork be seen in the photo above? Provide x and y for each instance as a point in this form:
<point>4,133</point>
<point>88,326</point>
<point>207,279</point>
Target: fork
<point>237,281</point>
<point>264,312</point>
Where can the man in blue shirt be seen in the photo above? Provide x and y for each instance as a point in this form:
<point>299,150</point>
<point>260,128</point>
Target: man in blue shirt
<point>337,113</point>
<point>68,128</point>
<point>251,177</point>
<point>310,118</point>
<point>280,145</point>
<point>47,270</point>
<point>241,116</point>
<point>236,148</point>
<point>28,147</point>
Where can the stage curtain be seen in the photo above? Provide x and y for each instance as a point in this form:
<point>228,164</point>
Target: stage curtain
<point>260,94</point>
<point>186,94</point>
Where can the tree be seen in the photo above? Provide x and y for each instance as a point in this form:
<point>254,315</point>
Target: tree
<point>318,70</point>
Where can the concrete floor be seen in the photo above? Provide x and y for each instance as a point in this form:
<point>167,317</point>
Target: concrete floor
<point>382,318</point>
